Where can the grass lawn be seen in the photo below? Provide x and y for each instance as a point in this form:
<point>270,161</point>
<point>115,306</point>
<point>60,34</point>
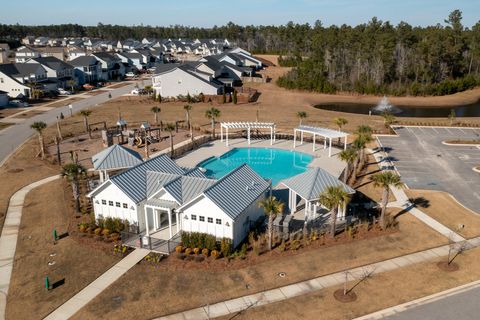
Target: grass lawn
<point>423,279</point>
<point>443,208</point>
<point>75,263</point>
<point>138,292</point>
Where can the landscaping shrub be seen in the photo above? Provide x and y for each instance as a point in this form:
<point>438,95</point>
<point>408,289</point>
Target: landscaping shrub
<point>98,231</point>
<point>178,249</point>
<point>205,252</point>
<point>196,250</point>
<point>226,247</point>
<point>105,232</point>
<point>243,251</point>
<point>295,245</point>
<point>82,227</point>
<point>188,251</point>
<point>198,240</point>
<point>282,247</point>
<point>215,254</point>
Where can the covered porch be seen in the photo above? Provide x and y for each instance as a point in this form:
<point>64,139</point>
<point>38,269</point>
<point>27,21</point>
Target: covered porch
<point>161,219</point>
<point>322,132</point>
<point>249,126</point>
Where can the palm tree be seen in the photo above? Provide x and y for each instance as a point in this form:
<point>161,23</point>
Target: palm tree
<point>156,111</point>
<point>388,119</point>
<point>212,114</point>
<point>340,122</point>
<point>385,180</point>
<point>334,197</point>
<point>364,129</point>
<point>86,114</point>
<point>73,172</point>
<point>187,109</point>
<point>71,83</point>
<point>170,128</point>
<point>271,206</point>
<point>39,126</point>
<point>301,115</point>
<point>349,156</point>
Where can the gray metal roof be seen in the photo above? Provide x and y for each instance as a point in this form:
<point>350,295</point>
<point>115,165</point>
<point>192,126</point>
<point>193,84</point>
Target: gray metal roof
<point>156,181</point>
<point>237,190</point>
<point>310,184</point>
<point>133,182</point>
<point>194,172</point>
<point>116,157</point>
<point>186,188</point>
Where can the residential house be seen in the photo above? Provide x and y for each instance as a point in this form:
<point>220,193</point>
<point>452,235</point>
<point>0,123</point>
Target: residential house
<point>172,80</point>
<point>28,40</point>
<point>16,79</point>
<point>134,60</point>
<point>148,60</point>
<point>112,66</point>
<point>87,69</point>
<point>57,71</point>
<point>4,52</point>
<point>40,41</point>
<point>24,53</point>
<point>3,98</point>
<point>75,52</point>
<point>57,52</point>
<point>159,197</point>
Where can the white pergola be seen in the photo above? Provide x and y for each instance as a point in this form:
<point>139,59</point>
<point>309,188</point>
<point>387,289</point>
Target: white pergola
<point>247,126</point>
<point>323,132</point>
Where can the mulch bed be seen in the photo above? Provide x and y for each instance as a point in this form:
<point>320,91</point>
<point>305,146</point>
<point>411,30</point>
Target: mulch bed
<point>448,267</point>
<point>349,297</point>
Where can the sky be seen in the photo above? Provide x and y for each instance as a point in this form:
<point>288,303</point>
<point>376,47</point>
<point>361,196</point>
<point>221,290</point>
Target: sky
<point>207,13</point>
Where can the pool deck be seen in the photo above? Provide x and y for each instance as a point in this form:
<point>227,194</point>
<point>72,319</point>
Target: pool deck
<point>216,148</point>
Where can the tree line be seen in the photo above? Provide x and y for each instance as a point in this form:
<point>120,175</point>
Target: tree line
<point>372,58</point>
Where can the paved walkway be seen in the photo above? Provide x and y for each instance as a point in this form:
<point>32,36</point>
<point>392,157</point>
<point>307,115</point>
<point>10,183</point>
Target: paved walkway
<point>78,301</point>
<point>309,286</point>
<point>8,238</point>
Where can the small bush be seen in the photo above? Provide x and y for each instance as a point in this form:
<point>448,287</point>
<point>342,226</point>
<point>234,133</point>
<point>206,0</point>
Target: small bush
<point>188,251</point>
<point>105,232</point>
<point>98,231</point>
<point>282,247</point>
<point>196,250</point>
<point>226,247</point>
<point>243,251</point>
<point>205,252</point>
<point>295,245</point>
<point>178,249</point>
<point>215,254</point>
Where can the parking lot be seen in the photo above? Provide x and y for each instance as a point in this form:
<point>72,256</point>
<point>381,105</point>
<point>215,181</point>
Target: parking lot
<point>425,163</point>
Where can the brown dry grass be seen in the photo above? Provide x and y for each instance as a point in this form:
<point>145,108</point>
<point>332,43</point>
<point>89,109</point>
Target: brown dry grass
<point>4,125</point>
<point>137,294</point>
<point>46,208</point>
<point>423,279</point>
<point>445,209</point>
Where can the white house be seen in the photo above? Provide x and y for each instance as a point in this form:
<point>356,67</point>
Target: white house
<point>4,52</point>
<point>24,53</point>
<point>15,78</point>
<point>162,199</point>
<point>87,69</point>
<point>112,66</point>
<point>172,80</point>
<point>58,71</point>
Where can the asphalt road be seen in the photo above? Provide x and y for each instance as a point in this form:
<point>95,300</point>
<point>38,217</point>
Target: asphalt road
<point>14,136</point>
<point>460,306</point>
<point>425,163</point>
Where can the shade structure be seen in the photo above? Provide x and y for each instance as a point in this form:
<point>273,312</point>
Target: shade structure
<point>247,126</point>
<point>323,132</point>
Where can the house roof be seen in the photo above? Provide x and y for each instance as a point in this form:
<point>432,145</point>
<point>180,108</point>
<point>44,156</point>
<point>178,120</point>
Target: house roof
<point>116,157</point>
<point>185,188</point>
<point>105,56</point>
<point>53,63</point>
<point>83,61</point>
<point>19,69</point>
<point>237,190</point>
<point>133,182</point>
<point>310,184</point>
<point>3,92</point>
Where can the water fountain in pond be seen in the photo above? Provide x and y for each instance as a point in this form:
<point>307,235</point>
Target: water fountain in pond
<point>385,107</point>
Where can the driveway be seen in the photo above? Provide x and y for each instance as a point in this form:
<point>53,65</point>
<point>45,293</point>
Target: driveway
<point>12,137</point>
<point>425,163</point>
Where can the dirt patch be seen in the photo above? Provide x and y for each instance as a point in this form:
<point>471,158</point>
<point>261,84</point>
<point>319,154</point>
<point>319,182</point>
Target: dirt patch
<point>459,141</point>
<point>189,288</point>
<point>96,92</point>
<point>394,287</point>
<point>449,267</point>
<point>28,114</point>
<point>345,298</point>
<point>64,102</point>
<point>6,112</point>
<point>443,208</point>
<point>119,85</point>
<point>75,265</point>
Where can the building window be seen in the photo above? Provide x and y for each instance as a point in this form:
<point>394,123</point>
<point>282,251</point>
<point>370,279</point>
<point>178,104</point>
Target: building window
<point>210,220</point>
<point>218,221</point>
<point>125,206</point>
<point>194,217</point>
<point>202,218</point>
<point>110,203</point>
<point>104,201</point>
<point>117,204</point>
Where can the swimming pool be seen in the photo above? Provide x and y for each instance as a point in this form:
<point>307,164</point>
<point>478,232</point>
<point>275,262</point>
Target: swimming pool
<point>274,164</point>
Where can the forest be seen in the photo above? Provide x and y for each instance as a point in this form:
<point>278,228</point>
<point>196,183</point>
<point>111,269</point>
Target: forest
<point>373,58</point>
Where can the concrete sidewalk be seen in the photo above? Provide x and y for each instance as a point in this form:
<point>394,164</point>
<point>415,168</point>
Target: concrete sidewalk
<point>274,295</point>
<point>78,301</point>
<point>8,238</point>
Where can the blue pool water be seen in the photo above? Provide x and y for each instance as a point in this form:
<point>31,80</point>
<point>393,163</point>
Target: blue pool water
<point>274,164</point>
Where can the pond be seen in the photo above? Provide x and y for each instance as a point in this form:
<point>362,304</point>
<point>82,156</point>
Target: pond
<point>472,110</point>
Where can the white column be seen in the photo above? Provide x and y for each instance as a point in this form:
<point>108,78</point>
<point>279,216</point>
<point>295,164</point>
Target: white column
<point>105,175</point>
<point>314,142</point>
<point>221,133</point>
<point>100,174</point>
<point>307,209</point>
<point>345,143</point>
<point>226,135</point>
<point>330,147</point>
<point>146,223</point>
<point>294,138</point>
<point>324,142</point>
<point>170,222</point>
<point>248,135</point>
<point>301,137</point>
<point>178,221</point>
<point>271,135</point>
<point>274,133</point>
<point>344,210</point>
<point>315,210</point>
<point>155,219</point>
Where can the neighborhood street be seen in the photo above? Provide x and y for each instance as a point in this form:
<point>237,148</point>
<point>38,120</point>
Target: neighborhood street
<point>12,137</point>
